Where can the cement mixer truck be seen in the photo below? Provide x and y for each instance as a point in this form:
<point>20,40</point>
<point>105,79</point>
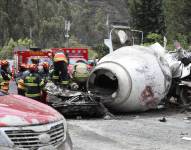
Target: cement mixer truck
<point>131,78</point>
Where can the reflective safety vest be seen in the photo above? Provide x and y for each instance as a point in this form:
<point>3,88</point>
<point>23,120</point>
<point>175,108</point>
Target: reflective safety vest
<point>4,81</point>
<point>64,82</point>
<point>21,84</point>
<point>60,57</point>
<point>33,84</point>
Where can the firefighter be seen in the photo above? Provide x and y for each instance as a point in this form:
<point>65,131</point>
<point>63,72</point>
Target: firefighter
<point>36,60</point>
<point>81,74</point>
<point>44,72</point>
<point>19,76</point>
<point>33,83</point>
<point>5,75</point>
<point>60,71</point>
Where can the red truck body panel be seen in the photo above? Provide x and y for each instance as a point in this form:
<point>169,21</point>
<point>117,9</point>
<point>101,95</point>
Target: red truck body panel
<point>73,52</point>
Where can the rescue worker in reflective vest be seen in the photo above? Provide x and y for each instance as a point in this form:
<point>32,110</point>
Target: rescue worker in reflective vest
<point>33,83</point>
<point>60,71</point>
<point>19,76</point>
<point>5,75</point>
<point>44,73</point>
<point>81,74</point>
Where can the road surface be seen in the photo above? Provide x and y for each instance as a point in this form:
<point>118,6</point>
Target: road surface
<point>141,131</point>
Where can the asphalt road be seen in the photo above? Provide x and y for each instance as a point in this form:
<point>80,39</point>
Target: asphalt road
<point>141,131</point>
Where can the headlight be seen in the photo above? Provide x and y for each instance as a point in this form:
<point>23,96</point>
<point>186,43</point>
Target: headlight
<point>3,139</point>
<point>5,148</point>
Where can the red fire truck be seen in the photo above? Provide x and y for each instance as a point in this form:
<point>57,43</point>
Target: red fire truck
<point>25,55</point>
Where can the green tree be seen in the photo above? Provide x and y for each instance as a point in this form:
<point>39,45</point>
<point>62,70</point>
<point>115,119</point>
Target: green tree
<point>147,15</point>
<point>177,19</point>
<point>101,50</point>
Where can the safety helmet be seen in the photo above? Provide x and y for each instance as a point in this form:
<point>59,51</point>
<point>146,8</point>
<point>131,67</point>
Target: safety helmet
<point>60,56</point>
<point>33,67</point>
<point>45,65</point>
<point>4,63</point>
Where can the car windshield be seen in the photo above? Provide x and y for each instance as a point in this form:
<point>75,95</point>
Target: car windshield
<point>2,93</point>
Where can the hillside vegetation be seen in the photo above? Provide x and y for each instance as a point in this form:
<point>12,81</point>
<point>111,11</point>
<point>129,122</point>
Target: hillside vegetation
<point>43,21</point>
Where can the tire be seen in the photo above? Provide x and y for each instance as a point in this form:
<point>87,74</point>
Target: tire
<point>185,96</point>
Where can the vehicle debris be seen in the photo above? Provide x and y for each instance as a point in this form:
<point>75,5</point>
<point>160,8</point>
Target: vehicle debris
<point>163,119</point>
<point>186,138</point>
<point>74,103</point>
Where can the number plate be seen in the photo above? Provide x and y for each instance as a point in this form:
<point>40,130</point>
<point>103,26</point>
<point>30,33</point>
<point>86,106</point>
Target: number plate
<point>50,147</point>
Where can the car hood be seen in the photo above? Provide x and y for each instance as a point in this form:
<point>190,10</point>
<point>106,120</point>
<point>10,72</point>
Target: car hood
<point>16,110</point>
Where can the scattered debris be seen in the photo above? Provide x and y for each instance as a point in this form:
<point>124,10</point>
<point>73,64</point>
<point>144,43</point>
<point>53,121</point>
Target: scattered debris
<point>187,118</point>
<point>107,117</point>
<point>163,119</point>
<point>161,106</point>
<point>182,133</point>
<point>186,138</point>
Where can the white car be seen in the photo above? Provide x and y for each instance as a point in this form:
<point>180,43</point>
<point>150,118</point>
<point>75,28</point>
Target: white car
<point>26,124</point>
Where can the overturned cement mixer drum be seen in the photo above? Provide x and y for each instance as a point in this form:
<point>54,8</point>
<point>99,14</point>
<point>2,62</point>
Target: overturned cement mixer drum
<point>132,78</point>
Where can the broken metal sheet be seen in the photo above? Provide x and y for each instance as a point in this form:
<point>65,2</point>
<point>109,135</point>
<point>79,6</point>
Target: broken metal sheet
<point>73,103</point>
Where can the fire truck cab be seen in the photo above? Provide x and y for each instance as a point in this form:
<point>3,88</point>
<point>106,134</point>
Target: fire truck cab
<point>25,55</point>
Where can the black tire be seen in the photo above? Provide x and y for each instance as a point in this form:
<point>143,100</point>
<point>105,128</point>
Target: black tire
<point>185,96</point>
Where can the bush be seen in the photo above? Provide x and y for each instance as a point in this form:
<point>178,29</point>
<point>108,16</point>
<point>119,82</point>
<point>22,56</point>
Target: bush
<point>153,38</point>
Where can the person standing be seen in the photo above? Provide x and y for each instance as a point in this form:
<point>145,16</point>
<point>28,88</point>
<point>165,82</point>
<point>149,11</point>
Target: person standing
<point>33,83</point>
<point>5,75</point>
<point>19,76</point>
<point>60,72</point>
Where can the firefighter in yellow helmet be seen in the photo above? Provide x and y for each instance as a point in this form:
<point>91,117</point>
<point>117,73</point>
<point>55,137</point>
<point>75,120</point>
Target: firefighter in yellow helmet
<point>33,83</point>
<point>5,75</point>
<point>60,71</point>
<point>81,74</point>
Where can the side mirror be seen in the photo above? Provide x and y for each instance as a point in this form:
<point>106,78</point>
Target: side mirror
<point>122,36</point>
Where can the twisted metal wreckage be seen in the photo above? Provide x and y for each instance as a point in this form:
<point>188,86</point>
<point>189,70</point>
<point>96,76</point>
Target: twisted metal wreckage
<point>132,78</point>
